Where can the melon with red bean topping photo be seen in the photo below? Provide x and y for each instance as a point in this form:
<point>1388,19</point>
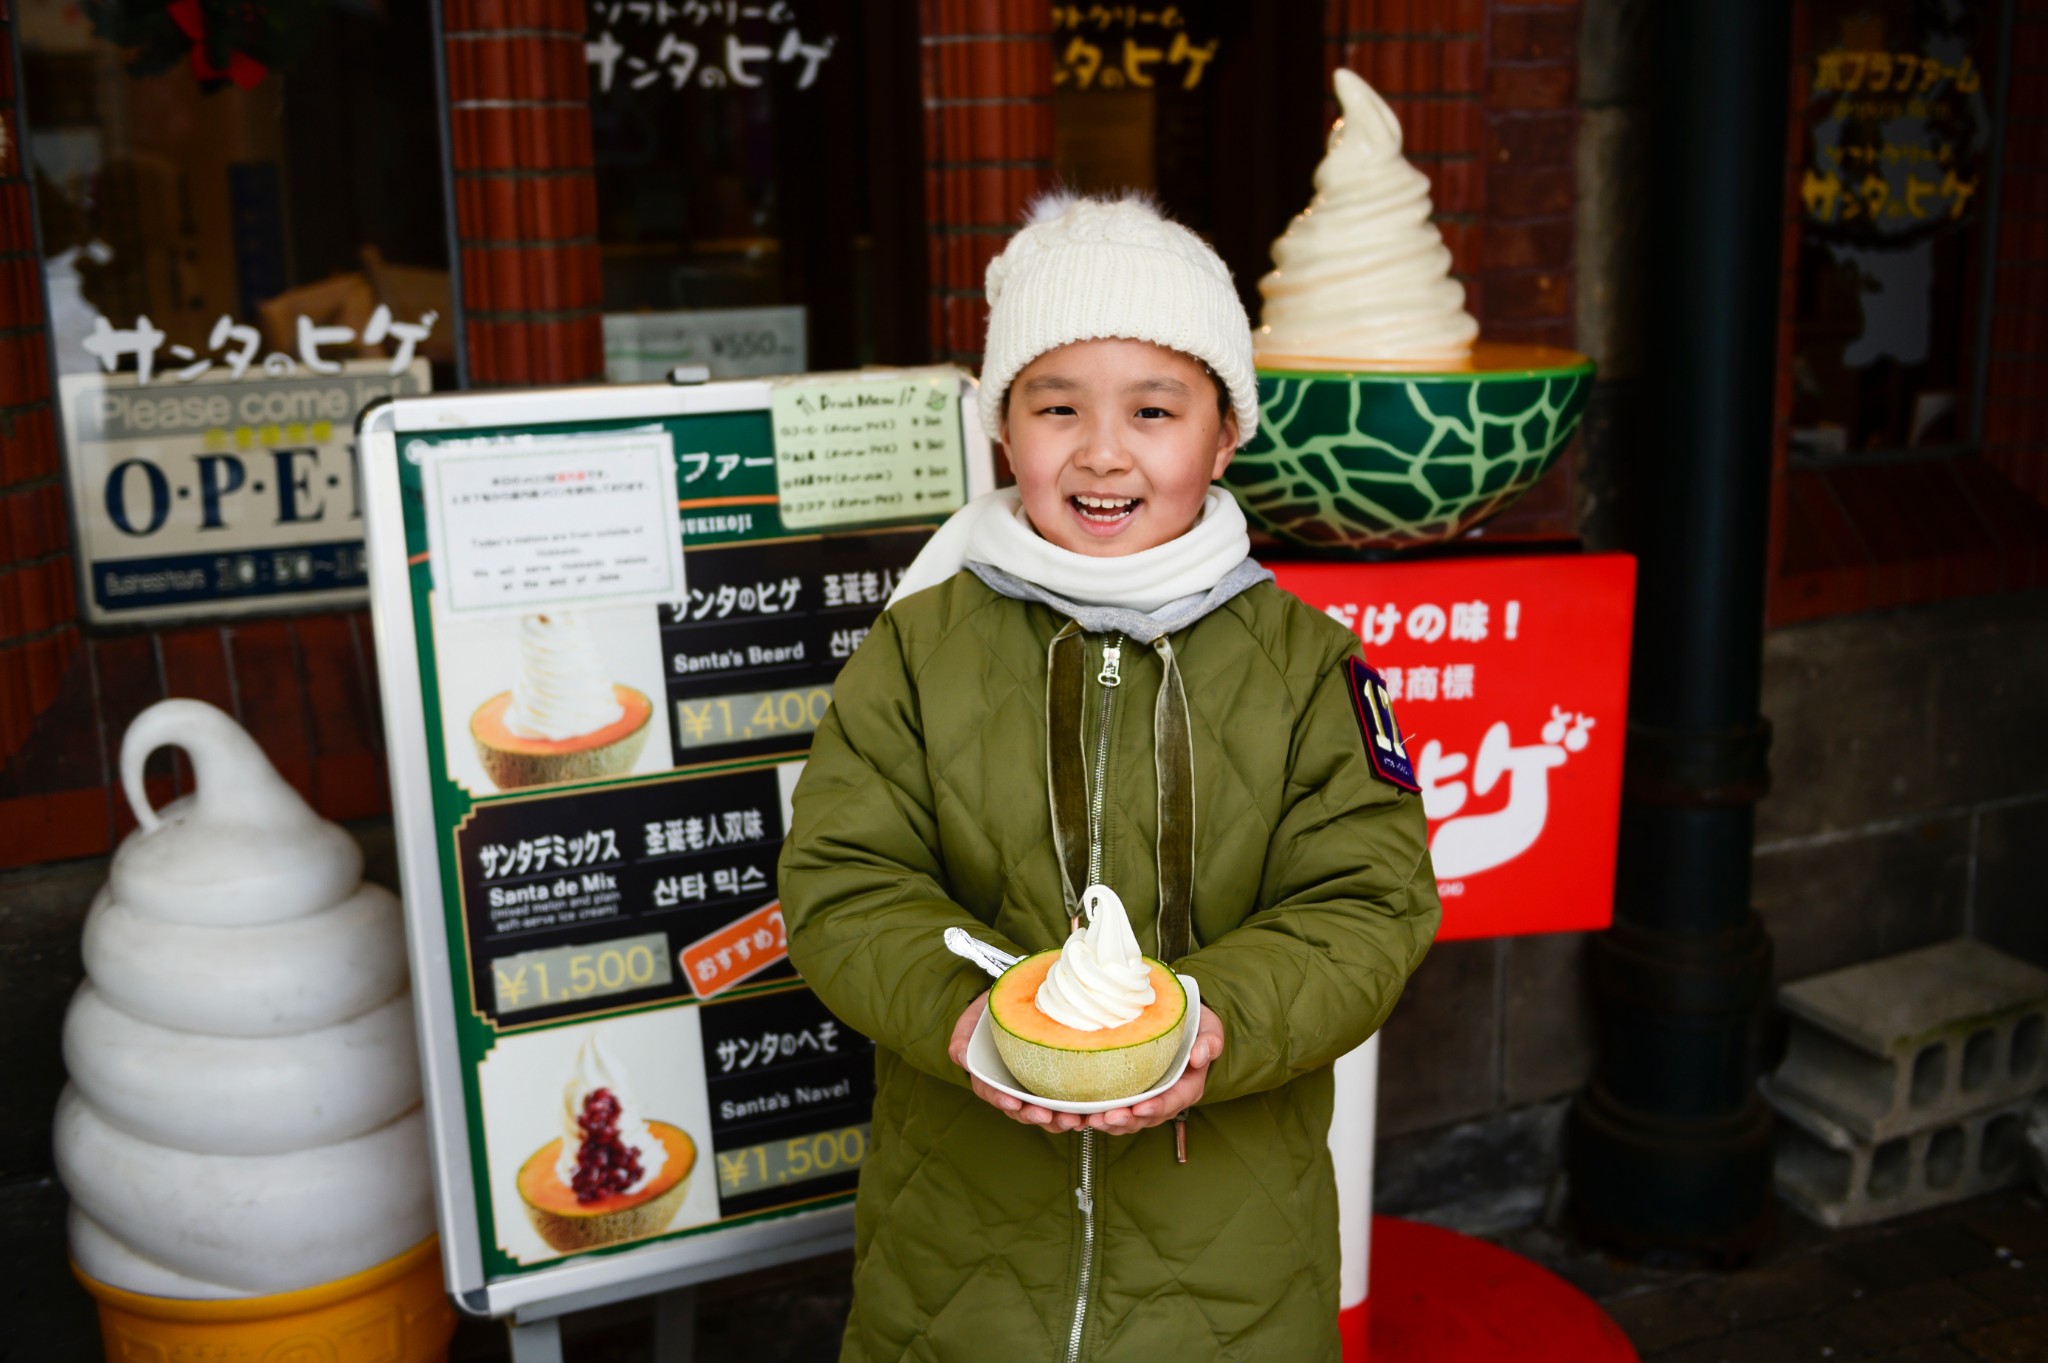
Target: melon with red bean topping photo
<point>594,1208</point>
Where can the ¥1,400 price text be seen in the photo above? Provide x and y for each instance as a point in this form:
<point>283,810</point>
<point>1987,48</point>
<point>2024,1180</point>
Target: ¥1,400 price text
<point>536,979</point>
<point>791,1161</point>
<point>755,714</point>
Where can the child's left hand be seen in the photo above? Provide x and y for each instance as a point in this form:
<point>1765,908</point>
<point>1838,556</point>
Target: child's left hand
<point>1185,1093</point>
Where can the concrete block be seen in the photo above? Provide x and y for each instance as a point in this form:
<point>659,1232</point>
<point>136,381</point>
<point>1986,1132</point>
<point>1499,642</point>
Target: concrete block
<point>1897,1046</point>
<point>1826,1173</point>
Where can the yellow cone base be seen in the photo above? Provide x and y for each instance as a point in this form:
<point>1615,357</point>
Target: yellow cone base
<point>395,1312</point>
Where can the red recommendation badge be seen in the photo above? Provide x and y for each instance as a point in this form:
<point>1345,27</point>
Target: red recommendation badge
<point>1511,677</point>
<point>746,946</point>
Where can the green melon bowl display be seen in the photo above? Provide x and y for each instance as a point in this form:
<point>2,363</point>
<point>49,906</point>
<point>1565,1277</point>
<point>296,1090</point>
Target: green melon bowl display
<point>1382,459</point>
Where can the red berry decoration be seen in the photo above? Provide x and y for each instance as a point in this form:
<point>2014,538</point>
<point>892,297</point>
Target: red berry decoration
<point>604,1163</point>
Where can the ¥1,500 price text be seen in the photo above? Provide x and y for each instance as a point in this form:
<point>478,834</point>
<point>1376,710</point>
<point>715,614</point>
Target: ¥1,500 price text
<point>536,979</point>
<point>791,1161</point>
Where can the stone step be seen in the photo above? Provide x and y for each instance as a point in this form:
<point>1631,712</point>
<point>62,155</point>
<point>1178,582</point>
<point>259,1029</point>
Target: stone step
<point>1915,1041</point>
<point>1830,1175</point>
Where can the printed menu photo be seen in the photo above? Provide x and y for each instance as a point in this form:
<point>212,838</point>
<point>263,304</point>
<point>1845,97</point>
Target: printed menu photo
<point>550,696</point>
<point>594,1134</point>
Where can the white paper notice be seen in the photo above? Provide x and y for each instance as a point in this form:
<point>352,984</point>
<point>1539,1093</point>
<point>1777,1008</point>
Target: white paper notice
<point>586,519</point>
<point>872,448</point>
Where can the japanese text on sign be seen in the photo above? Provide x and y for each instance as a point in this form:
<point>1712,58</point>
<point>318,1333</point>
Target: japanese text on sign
<point>658,45</point>
<point>236,344</point>
<point>721,959</point>
<point>1137,47</point>
<point>583,520</point>
<point>1898,141</point>
<point>852,450</point>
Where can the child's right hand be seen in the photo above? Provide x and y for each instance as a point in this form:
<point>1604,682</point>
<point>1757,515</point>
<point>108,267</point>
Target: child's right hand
<point>1014,1108</point>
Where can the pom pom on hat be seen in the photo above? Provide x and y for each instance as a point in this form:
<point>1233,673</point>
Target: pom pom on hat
<point>1084,269</point>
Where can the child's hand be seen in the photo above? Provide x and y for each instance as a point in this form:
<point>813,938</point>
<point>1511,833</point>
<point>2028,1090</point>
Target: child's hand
<point>1185,1093</point>
<point>1016,1110</point>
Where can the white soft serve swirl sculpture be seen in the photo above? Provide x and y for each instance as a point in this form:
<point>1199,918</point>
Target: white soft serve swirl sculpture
<point>1362,274</point>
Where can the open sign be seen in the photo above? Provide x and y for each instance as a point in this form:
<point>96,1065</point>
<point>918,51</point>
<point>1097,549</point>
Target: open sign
<point>220,498</point>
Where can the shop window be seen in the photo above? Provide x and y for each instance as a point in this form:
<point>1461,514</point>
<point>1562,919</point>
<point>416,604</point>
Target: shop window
<point>757,186</point>
<point>1895,178</point>
<point>1910,465</point>
<point>244,242</point>
<point>181,190</point>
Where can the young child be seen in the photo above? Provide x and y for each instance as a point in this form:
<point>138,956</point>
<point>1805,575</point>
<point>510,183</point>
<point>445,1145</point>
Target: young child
<point>1111,692</point>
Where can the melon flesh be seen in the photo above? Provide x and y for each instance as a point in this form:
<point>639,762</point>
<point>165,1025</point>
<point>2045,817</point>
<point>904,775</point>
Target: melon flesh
<point>569,1225</point>
<point>513,761</point>
<point>1057,1061</point>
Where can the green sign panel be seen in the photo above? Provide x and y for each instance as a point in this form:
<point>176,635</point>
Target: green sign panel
<point>604,651</point>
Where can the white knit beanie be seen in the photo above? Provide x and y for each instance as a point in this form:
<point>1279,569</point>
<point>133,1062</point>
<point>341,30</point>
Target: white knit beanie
<point>1084,269</point>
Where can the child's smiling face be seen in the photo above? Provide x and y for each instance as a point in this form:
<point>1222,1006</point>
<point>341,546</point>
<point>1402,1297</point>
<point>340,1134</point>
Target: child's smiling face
<point>1115,443</point>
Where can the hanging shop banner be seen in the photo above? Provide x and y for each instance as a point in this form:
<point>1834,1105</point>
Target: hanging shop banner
<point>1509,678</point>
<point>604,644</point>
<point>220,496</point>
<point>730,343</point>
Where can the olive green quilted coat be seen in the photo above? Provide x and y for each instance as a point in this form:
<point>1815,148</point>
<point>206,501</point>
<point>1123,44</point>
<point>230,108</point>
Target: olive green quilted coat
<point>925,805</point>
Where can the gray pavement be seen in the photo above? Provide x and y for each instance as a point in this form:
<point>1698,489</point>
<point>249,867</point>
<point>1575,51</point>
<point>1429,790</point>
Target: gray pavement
<point>1967,1283</point>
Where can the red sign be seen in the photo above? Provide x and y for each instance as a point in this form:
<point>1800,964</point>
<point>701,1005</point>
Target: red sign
<point>1510,680</point>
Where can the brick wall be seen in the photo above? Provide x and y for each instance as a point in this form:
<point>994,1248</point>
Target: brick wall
<point>1487,95</point>
<point>525,191</point>
<point>988,143</point>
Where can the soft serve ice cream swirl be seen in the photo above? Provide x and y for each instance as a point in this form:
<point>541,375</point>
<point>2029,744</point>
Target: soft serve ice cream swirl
<point>562,690</point>
<point>597,1071</point>
<point>1362,273</point>
<point>1101,979</point>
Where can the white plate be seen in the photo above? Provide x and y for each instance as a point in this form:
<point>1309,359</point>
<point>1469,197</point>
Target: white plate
<point>985,1062</point>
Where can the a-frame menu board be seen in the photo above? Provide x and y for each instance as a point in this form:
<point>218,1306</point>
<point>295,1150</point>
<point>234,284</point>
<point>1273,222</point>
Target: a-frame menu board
<point>608,621</point>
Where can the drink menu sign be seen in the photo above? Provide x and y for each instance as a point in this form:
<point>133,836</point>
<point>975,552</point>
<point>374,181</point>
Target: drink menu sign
<point>613,645</point>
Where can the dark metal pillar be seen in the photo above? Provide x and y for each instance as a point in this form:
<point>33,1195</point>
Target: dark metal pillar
<point>1670,1145</point>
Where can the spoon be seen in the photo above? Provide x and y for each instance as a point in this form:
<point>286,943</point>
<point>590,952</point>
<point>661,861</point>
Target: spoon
<point>992,959</point>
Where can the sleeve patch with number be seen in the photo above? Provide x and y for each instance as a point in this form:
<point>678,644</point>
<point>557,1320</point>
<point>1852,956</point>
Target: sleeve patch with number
<point>1384,746</point>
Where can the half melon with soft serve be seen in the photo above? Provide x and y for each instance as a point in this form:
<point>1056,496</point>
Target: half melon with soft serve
<point>1054,1060</point>
<point>514,760</point>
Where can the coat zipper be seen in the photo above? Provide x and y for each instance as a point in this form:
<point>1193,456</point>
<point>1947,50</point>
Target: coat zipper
<point>1084,1196</point>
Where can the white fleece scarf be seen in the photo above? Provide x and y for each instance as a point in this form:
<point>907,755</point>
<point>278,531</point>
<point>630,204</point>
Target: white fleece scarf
<point>993,529</point>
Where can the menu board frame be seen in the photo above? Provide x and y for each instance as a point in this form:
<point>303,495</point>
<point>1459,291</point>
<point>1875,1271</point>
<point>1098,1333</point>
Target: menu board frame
<point>440,855</point>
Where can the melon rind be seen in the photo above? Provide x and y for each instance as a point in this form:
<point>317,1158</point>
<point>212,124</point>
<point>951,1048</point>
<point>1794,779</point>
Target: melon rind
<point>511,769</point>
<point>1089,1076</point>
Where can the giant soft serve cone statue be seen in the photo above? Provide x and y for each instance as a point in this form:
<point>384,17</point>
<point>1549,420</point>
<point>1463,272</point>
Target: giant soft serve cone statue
<point>1385,423</point>
<point>242,1137</point>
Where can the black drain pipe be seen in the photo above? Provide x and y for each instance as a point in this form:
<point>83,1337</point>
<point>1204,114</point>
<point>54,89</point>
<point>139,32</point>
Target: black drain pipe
<point>1670,1144</point>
